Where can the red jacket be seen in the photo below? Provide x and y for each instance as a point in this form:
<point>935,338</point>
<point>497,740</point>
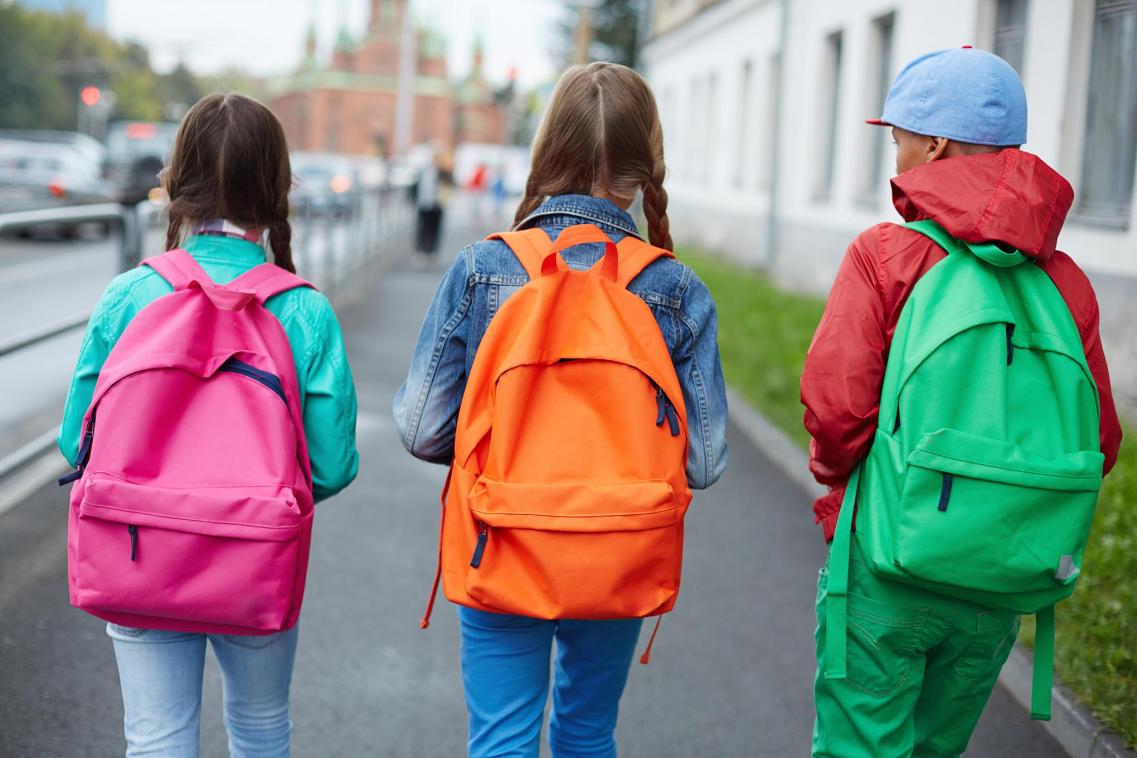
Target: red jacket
<point>1010,196</point>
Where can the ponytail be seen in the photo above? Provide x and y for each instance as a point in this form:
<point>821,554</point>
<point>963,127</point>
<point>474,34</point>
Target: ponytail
<point>280,242</point>
<point>655,209</point>
<point>531,201</point>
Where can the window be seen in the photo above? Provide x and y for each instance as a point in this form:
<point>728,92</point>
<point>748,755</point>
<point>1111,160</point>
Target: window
<point>691,141</point>
<point>1110,152</point>
<point>880,79</point>
<point>670,124</point>
<point>710,134</point>
<point>743,121</point>
<point>1010,31</point>
<point>829,109</point>
<point>767,157</point>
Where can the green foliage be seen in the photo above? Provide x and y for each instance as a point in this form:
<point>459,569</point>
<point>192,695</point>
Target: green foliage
<point>46,58</point>
<point>614,30</point>
<point>763,335</point>
<point>1097,627</point>
<point>31,92</point>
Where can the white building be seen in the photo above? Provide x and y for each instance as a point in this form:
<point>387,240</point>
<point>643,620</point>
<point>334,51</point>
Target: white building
<point>774,165</point>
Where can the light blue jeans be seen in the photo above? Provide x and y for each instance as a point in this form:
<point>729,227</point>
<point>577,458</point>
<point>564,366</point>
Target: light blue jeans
<point>505,673</point>
<point>161,675</point>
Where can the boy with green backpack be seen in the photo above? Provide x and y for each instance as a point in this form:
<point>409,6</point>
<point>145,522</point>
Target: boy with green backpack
<point>960,408</point>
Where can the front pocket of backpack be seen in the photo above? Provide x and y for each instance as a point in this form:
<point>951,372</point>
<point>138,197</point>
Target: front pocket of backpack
<point>576,549</point>
<point>988,516</point>
<point>212,555</point>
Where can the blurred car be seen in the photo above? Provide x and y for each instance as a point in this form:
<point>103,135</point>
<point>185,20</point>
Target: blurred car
<point>323,181</point>
<point>136,152</point>
<point>83,143</point>
<point>46,174</point>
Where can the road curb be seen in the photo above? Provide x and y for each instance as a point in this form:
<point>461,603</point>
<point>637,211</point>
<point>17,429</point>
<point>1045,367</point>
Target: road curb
<point>1072,724</point>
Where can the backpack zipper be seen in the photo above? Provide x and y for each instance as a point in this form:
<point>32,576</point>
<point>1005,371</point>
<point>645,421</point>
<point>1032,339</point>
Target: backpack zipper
<point>480,547</point>
<point>665,410</point>
<point>133,541</point>
<point>271,381</point>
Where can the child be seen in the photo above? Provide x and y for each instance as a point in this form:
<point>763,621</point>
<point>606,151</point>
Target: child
<point>921,664</point>
<point>599,144</point>
<point>228,182</point>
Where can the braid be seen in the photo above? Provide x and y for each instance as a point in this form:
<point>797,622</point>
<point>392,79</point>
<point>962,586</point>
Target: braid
<point>531,200</point>
<point>655,208</point>
<point>173,231</point>
<point>280,240</point>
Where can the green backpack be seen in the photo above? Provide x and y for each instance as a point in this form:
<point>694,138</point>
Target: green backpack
<point>985,469</point>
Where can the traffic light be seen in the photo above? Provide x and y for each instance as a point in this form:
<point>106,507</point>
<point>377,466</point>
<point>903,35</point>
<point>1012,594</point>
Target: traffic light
<point>90,96</point>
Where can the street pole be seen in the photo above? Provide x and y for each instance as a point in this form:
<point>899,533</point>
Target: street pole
<point>404,96</point>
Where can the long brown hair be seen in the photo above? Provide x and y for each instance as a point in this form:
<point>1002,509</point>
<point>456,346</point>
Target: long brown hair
<point>601,135</point>
<point>230,161</point>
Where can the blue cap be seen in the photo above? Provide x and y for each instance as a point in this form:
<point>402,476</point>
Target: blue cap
<point>963,94</point>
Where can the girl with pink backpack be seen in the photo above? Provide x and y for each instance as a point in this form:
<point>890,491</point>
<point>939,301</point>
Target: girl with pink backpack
<point>225,409</point>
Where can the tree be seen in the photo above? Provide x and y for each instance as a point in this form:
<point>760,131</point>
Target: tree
<point>46,59</point>
<point>614,30</point>
<point>31,94</point>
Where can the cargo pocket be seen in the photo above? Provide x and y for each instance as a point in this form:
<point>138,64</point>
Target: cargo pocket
<point>883,642</point>
<point>984,656</point>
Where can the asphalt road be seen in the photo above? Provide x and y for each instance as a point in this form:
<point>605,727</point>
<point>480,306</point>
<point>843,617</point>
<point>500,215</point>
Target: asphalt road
<point>731,673</point>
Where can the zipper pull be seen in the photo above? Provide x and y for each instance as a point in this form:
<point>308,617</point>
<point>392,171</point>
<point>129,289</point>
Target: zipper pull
<point>673,420</point>
<point>81,459</point>
<point>480,548</point>
<point>661,406</point>
<point>133,541</point>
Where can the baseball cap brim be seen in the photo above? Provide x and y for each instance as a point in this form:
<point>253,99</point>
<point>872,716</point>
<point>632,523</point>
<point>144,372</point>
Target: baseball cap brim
<point>877,122</point>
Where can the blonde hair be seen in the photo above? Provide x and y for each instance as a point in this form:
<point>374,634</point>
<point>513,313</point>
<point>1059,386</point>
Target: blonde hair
<point>601,135</point>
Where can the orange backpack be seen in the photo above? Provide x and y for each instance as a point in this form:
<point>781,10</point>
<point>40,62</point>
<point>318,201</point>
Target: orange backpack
<point>568,488</point>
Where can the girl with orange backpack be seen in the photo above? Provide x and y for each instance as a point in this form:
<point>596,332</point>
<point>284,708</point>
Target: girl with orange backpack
<point>568,371</point>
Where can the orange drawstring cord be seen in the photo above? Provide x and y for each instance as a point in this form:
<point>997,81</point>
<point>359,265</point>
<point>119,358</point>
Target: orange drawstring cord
<point>646,657</point>
<point>424,622</point>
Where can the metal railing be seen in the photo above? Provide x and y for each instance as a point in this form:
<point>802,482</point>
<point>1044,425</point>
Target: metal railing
<point>334,238</point>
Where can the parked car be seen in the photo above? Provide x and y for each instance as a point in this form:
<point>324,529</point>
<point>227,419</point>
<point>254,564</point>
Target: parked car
<point>136,152</point>
<point>323,181</point>
<point>87,145</point>
<point>45,174</point>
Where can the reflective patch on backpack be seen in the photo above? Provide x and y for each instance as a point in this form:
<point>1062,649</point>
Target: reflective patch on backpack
<point>1066,568</point>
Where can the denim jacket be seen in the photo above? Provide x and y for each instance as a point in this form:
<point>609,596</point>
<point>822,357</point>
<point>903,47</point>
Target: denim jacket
<point>486,273</point>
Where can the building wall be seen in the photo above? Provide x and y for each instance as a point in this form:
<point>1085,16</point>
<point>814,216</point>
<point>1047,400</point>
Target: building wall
<point>714,74</point>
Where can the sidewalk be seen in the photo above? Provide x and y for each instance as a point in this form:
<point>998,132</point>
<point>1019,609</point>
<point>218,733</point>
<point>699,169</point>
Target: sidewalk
<point>730,677</point>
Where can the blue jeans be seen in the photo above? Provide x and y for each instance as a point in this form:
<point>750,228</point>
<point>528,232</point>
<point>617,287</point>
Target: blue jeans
<point>161,675</point>
<point>505,673</point>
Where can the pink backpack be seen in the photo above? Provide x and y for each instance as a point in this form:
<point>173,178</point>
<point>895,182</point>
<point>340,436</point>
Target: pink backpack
<point>193,508</point>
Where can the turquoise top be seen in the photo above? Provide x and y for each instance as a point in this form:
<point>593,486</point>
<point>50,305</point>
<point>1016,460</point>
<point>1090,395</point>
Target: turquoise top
<point>327,393</point>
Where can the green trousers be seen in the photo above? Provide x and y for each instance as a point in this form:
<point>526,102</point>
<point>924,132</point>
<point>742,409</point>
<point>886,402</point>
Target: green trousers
<point>921,667</point>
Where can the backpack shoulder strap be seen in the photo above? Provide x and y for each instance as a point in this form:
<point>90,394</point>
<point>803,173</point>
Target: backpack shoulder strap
<point>266,280</point>
<point>635,255</point>
<point>987,251</point>
<point>837,589</point>
<point>178,268</point>
<point>531,246</point>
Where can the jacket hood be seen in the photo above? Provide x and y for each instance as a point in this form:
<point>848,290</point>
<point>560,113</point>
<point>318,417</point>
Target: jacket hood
<point>1011,197</point>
